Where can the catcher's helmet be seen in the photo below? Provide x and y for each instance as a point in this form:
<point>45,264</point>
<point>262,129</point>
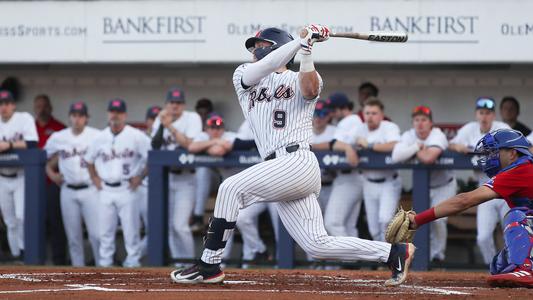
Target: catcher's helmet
<point>490,145</point>
<point>273,35</point>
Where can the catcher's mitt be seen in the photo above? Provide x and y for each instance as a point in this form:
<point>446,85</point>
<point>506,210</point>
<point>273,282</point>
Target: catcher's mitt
<point>398,230</point>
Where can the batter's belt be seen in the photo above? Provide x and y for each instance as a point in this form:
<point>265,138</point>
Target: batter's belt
<point>288,149</point>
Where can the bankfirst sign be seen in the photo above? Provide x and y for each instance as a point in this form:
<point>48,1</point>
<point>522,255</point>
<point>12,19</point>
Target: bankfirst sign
<point>214,31</point>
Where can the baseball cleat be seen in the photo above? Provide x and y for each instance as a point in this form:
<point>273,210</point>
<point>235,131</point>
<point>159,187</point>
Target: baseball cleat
<point>198,273</point>
<point>399,261</point>
<point>517,278</point>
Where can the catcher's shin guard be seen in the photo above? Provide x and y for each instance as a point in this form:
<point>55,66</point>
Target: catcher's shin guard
<point>518,237</point>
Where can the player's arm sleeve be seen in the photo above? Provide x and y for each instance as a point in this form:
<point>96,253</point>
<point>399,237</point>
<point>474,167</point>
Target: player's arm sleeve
<point>270,63</point>
<point>157,139</point>
<point>404,150</point>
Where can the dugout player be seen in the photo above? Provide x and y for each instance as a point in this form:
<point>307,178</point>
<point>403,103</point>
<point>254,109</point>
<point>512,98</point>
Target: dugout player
<point>66,168</point>
<point>17,131</point>
<point>381,188</point>
<point>174,129</point>
<point>344,204</point>
<point>323,134</point>
<point>491,212</point>
<point>279,105</point>
<point>507,161</point>
<point>116,161</point>
<point>426,143</point>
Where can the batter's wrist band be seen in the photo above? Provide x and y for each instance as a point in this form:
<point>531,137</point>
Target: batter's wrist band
<point>306,63</point>
<point>426,216</point>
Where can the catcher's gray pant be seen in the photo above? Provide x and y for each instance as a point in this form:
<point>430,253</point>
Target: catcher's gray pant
<point>439,231</point>
<point>344,205</point>
<point>79,206</point>
<point>292,179</point>
<point>12,207</point>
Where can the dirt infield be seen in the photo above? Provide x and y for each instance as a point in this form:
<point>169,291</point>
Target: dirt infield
<point>92,283</point>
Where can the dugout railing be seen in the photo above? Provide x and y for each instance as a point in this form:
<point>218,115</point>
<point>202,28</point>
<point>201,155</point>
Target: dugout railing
<point>33,162</point>
<point>160,161</point>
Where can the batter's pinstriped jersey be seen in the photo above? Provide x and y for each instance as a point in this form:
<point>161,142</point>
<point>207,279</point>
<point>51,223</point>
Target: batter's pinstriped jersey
<point>278,114</point>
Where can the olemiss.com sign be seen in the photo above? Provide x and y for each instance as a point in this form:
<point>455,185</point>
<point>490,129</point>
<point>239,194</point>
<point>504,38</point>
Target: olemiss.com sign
<point>214,31</point>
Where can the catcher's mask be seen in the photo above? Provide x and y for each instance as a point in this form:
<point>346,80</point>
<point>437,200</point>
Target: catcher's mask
<point>489,148</point>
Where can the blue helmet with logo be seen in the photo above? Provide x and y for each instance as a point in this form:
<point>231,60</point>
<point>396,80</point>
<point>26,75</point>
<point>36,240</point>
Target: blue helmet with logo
<point>489,148</point>
<point>273,35</point>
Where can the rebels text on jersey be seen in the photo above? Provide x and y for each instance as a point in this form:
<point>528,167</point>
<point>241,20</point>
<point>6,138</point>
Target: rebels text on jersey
<point>515,184</point>
<point>276,110</point>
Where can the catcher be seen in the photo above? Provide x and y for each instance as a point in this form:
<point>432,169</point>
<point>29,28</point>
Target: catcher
<point>507,160</point>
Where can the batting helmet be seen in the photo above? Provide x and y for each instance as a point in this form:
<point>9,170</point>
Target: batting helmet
<point>490,145</point>
<point>273,35</point>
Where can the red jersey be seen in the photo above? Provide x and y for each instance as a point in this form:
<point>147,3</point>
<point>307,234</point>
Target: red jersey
<point>46,131</point>
<point>515,183</point>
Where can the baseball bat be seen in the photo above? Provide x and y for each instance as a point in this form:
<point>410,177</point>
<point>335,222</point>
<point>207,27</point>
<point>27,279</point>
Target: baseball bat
<point>374,36</point>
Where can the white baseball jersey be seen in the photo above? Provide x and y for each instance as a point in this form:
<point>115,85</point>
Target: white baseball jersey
<point>326,136</point>
<point>276,110</point>
<point>119,157</point>
<point>71,149</point>
<point>21,126</point>
<point>385,133</point>
<point>245,132</point>
<point>470,134</point>
<point>189,123</point>
<point>346,127</point>
<point>436,138</point>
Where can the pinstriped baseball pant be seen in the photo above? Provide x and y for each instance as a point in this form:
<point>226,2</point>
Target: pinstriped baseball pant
<point>292,180</point>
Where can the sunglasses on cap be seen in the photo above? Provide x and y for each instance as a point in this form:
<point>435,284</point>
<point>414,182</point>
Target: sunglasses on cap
<point>487,103</point>
<point>421,109</point>
<point>216,122</point>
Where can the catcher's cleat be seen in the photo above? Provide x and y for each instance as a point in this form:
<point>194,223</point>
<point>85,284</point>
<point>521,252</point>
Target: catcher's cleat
<point>400,259</point>
<point>517,278</point>
<point>199,273</point>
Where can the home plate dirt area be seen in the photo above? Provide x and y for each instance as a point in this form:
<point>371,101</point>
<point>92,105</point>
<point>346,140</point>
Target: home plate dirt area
<point>154,283</point>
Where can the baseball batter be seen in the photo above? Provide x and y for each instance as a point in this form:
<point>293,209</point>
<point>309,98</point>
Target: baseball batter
<point>506,159</point>
<point>17,131</point>
<point>426,143</point>
<point>491,212</point>
<point>175,128</point>
<point>381,188</point>
<point>117,165</point>
<point>65,150</point>
<point>279,105</point>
